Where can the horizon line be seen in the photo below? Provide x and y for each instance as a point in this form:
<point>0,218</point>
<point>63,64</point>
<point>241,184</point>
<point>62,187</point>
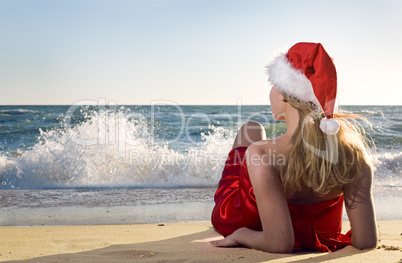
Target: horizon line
<point>178,104</point>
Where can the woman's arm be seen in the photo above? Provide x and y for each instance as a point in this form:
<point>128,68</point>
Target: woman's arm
<point>360,210</point>
<point>277,234</point>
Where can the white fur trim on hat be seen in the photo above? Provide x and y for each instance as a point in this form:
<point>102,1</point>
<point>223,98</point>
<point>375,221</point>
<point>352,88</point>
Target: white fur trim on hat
<point>290,81</point>
<point>329,126</point>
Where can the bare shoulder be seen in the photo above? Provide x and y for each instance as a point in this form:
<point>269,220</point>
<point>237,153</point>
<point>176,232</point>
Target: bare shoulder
<point>366,175</point>
<point>360,191</point>
<point>265,153</point>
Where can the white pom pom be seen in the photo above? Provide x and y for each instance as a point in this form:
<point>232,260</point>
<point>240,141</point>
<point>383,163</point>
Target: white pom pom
<point>329,126</point>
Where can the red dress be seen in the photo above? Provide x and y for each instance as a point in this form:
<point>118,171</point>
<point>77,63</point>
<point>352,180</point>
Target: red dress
<point>316,227</point>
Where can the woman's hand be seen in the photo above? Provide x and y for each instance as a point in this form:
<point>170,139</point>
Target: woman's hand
<point>228,241</point>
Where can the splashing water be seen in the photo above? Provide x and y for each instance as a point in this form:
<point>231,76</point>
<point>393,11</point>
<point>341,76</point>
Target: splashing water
<point>117,151</point>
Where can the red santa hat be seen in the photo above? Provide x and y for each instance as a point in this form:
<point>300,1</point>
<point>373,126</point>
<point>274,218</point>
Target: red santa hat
<point>307,73</point>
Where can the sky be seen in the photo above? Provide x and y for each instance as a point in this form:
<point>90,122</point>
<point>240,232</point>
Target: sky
<point>190,52</point>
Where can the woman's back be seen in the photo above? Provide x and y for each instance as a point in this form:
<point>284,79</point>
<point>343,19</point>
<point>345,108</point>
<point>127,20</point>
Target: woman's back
<point>305,196</point>
<point>316,223</point>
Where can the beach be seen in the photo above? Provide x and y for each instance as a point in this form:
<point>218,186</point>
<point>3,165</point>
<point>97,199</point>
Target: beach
<point>166,242</point>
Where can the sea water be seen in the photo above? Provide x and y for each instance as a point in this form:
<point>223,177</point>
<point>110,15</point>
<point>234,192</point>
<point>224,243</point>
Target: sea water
<point>107,163</point>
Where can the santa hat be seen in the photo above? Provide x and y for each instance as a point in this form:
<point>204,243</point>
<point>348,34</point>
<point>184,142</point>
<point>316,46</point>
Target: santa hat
<point>307,73</point>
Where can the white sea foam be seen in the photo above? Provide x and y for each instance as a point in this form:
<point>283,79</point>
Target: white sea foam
<point>117,151</point>
<point>17,111</point>
<point>387,170</point>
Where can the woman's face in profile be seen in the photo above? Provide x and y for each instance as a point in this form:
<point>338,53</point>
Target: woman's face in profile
<point>278,105</point>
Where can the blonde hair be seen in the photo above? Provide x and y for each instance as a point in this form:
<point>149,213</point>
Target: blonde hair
<point>324,162</point>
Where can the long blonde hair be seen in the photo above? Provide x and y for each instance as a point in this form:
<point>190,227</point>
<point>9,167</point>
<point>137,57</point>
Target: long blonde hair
<point>324,162</point>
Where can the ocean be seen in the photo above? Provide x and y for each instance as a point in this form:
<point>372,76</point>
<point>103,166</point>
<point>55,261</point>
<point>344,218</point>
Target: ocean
<point>114,164</point>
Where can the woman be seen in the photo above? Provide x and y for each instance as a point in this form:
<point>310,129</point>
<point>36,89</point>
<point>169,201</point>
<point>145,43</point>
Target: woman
<point>277,195</point>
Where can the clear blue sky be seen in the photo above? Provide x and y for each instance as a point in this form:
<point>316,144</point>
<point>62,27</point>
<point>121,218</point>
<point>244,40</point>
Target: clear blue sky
<point>190,51</point>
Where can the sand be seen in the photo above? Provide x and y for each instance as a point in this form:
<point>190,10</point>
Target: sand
<point>170,242</point>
